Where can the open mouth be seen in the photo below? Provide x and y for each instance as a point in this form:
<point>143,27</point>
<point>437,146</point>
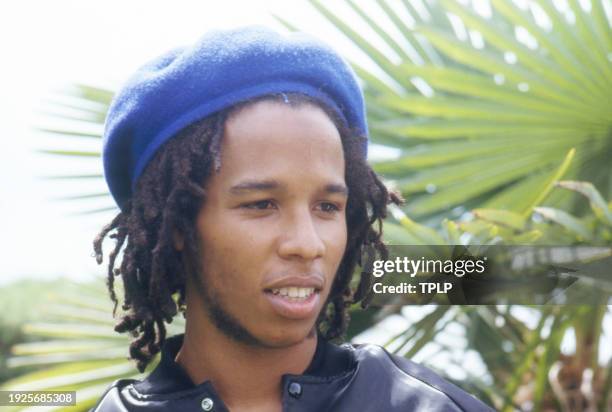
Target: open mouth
<point>293,292</point>
<point>294,302</point>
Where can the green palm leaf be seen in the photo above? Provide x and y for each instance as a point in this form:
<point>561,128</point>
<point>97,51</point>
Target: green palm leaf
<point>76,348</point>
<point>78,114</point>
<point>523,102</point>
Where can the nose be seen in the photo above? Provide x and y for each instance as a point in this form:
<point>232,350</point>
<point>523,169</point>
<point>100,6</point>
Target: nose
<point>300,238</point>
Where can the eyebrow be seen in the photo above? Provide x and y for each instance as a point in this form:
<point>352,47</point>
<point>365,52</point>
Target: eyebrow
<point>337,188</point>
<point>265,185</point>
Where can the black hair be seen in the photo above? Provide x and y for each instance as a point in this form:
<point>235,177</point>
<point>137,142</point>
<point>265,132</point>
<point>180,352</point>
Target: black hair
<point>168,197</point>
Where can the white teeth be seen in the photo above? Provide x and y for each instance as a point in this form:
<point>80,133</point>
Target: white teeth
<point>294,292</point>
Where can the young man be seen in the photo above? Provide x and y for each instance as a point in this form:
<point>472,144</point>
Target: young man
<point>239,165</point>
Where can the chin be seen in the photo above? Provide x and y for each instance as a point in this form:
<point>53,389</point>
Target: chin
<point>286,337</point>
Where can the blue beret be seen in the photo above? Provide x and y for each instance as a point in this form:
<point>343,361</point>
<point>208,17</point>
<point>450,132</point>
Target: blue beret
<point>222,69</point>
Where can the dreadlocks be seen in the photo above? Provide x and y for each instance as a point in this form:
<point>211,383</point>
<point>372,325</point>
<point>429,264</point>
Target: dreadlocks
<point>167,199</point>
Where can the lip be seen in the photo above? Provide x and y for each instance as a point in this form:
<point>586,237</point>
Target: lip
<point>295,309</point>
<point>301,281</point>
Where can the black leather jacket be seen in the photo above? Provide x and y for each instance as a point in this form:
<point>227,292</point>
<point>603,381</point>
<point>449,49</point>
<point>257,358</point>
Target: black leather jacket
<point>349,378</point>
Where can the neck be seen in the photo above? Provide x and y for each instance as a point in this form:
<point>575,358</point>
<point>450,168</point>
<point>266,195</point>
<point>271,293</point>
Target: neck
<point>245,376</point>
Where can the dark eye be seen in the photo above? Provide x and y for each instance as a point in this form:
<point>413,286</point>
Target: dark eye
<point>259,205</point>
<point>329,207</point>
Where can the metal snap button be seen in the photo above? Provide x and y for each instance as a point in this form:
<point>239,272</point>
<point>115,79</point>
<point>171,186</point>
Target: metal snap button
<point>295,389</point>
<point>207,404</point>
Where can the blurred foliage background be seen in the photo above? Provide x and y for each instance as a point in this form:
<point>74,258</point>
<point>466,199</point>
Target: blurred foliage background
<point>499,114</point>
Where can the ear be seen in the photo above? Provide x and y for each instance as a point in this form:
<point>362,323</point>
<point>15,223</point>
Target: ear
<point>179,240</point>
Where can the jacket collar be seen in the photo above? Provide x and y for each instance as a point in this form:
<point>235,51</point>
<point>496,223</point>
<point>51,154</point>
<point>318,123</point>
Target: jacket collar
<point>329,362</point>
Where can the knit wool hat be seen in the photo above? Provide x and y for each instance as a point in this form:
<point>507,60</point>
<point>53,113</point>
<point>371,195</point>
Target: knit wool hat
<point>222,69</point>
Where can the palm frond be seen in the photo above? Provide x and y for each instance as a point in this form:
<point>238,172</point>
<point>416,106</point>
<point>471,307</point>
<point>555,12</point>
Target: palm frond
<point>533,87</point>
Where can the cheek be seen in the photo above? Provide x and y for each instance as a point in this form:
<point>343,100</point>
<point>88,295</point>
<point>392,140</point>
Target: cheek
<point>228,240</point>
<point>232,262</point>
<point>341,232</point>
<point>336,239</point>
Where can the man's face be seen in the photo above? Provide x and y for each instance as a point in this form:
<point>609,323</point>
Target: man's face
<point>272,230</point>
